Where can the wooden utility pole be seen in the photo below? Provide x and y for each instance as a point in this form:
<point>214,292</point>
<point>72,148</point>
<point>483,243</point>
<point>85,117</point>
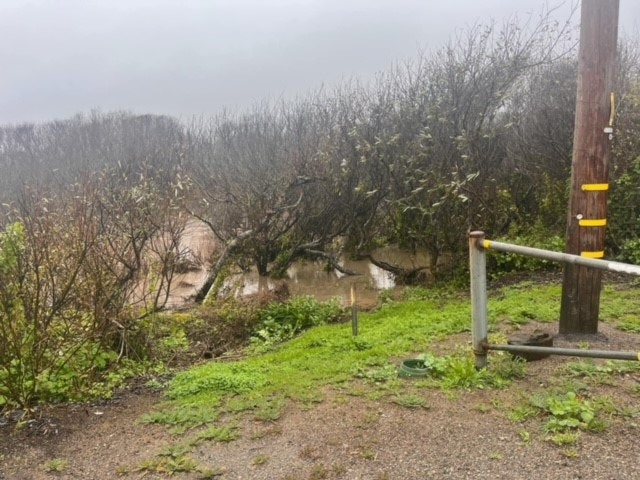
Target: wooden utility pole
<point>590,164</point>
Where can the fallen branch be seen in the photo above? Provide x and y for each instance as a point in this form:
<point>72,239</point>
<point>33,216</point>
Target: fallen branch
<point>333,263</point>
<point>405,275</point>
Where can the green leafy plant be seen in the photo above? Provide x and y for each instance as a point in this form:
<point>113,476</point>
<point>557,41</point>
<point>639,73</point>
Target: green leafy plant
<point>567,412</point>
<point>48,348</point>
<point>283,321</point>
<point>525,436</point>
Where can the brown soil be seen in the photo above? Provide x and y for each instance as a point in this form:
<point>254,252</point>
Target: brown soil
<point>464,434</point>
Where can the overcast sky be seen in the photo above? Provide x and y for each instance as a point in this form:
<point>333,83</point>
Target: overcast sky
<point>194,57</point>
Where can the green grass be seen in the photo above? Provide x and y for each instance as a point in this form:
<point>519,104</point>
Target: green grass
<point>620,306</point>
<point>329,355</point>
<point>519,304</point>
<point>263,384</point>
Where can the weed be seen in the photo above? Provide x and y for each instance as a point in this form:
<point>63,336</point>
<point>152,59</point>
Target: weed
<point>176,450</point>
<point>369,419</point>
<point>168,465</point>
<point>368,454</point>
<point>338,469</point>
<point>270,410</point>
<point>568,411</point>
<point>56,465</point>
<point>260,459</point>
<point>628,411</point>
<point>205,473</point>
<point>482,408</point>
<point>376,375</point>
<point>599,371</point>
<point>522,412</point>
<point>319,472</point>
<point>411,401</point>
<point>182,419</point>
<point>495,456</point>
<point>310,453</point>
<point>377,395</point>
<point>241,404</point>
<point>570,453</point>
<point>219,434</point>
<point>564,439</point>
<point>122,470</point>
<point>525,436</point>
<point>308,397</point>
<point>508,367</point>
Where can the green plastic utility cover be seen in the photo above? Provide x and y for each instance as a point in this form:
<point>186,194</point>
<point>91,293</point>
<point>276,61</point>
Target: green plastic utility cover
<point>413,368</point>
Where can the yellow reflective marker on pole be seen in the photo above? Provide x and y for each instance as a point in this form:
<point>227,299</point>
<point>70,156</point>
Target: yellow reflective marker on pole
<point>486,244</point>
<point>592,254</point>
<point>600,222</point>
<point>594,187</point>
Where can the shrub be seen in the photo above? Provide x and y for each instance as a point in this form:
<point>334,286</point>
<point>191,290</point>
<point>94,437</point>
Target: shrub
<point>630,251</point>
<point>50,346</point>
<point>282,321</point>
<point>512,262</point>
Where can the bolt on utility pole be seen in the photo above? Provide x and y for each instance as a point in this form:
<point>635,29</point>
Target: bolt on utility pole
<point>594,120</point>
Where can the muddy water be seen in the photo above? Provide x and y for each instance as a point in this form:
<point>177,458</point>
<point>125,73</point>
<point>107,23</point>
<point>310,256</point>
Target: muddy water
<point>198,246</point>
<point>303,277</point>
<point>312,278</point>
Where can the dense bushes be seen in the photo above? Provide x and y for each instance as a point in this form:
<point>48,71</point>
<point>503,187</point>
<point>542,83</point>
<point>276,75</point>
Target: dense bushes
<point>54,320</point>
<point>475,136</point>
<point>511,262</point>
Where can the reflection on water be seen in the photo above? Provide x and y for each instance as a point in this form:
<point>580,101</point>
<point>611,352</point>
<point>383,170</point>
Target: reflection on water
<point>197,246</point>
<point>303,277</point>
<point>312,278</point>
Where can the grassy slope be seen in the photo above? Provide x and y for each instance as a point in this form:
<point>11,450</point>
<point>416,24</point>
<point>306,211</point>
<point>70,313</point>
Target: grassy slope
<point>329,355</point>
<point>261,385</point>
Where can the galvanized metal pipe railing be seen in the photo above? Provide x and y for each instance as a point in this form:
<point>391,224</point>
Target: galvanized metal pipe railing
<point>478,265</point>
<point>478,272</point>
<point>568,352</point>
<point>562,257</point>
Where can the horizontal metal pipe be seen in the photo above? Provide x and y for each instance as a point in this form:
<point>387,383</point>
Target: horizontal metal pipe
<point>570,352</point>
<point>563,257</point>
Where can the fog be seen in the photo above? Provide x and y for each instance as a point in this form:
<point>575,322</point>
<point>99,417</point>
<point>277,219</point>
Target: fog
<point>196,57</point>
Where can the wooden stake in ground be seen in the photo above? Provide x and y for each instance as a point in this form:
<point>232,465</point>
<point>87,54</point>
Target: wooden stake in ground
<point>590,164</point>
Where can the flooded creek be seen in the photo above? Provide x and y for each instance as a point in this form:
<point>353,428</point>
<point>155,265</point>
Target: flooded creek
<point>303,277</point>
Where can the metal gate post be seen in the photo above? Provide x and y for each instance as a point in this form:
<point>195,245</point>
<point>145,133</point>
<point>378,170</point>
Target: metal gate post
<point>478,271</point>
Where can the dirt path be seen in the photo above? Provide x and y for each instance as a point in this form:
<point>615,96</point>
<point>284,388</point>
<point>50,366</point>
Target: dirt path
<point>94,439</point>
<point>462,434</point>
